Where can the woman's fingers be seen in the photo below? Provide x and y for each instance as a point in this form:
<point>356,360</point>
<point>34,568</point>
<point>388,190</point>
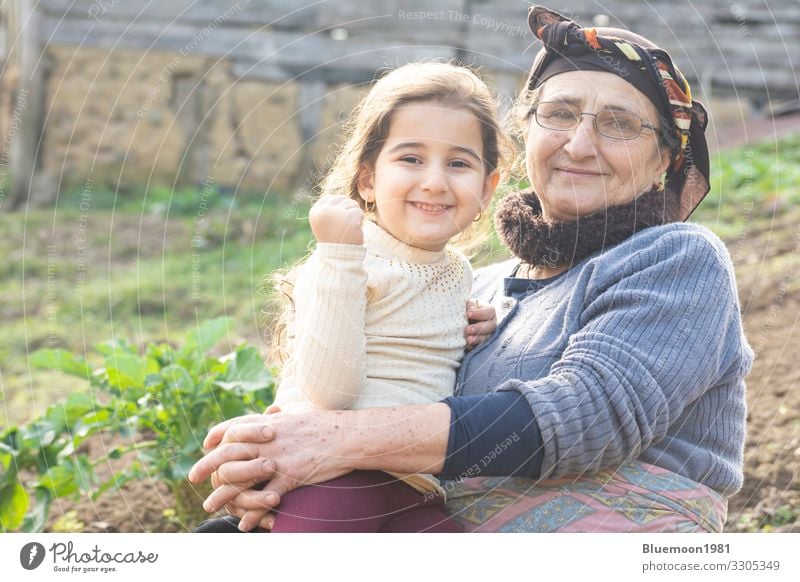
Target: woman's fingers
<point>225,494</point>
<point>214,436</point>
<point>240,497</point>
<point>249,433</point>
<point>235,496</point>
<point>220,497</point>
<point>251,499</point>
<point>249,519</point>
<point>244,472</point>
<point>267,522</point>
<point>244,496</point>
<point>224,453</point>
<point>239,441</point>
<point>255,518</point>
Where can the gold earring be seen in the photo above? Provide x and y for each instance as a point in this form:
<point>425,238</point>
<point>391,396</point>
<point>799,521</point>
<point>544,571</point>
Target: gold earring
<point>367,206</point>
<point>480,215</point>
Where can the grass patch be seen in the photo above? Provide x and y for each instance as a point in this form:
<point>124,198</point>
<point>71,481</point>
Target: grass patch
<point>751,185</point>
<point>79,277</point>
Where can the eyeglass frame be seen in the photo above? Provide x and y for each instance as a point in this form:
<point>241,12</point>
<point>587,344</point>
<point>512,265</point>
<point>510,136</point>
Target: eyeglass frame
<point>532,112</point>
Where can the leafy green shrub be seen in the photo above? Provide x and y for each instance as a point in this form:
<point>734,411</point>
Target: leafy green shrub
<point>753,181</point>
<point>168,398</point>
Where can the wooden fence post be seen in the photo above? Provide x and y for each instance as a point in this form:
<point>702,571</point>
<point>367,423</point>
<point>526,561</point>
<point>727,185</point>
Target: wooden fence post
<point>26,117</point>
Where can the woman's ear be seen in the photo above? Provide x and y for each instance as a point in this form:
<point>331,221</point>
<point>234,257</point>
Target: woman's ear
<point>665,160</point>
<point>366,183</point>
<point>662,169</point>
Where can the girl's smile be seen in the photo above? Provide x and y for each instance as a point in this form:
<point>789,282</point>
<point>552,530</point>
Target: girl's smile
<point>432,209</point>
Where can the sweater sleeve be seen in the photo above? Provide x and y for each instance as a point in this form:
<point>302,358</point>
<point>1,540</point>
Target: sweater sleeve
<point>330,299</point>
<point>492,434</point>
<point>657,330</point>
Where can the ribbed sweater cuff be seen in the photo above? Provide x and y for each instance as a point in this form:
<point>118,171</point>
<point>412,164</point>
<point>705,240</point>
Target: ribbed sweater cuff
<point>341,251</point>
<point>492,434</point>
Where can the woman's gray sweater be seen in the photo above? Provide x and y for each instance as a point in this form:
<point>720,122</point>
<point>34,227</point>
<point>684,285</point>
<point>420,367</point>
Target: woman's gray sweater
<point>638,352</point>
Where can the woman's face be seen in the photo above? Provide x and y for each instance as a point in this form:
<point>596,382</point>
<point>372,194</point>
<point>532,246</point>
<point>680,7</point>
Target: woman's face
<point>579,172</point>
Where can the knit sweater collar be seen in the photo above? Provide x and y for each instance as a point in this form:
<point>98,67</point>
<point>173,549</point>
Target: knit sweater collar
<point>383,244</point>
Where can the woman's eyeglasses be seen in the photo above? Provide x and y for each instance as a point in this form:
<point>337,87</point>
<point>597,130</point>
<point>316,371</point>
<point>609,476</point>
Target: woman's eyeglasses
<point>560,116</point>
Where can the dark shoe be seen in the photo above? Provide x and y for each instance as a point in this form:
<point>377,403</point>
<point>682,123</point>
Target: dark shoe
<point>227,524</point>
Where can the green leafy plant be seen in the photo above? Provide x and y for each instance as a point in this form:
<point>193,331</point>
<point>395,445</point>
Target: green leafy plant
<point>163,400</point>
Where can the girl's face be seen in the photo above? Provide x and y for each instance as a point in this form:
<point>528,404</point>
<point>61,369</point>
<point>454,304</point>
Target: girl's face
<point>429,181</point>
<point>579,172</point>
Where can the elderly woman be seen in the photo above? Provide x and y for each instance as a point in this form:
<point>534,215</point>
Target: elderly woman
<point>611,395</point>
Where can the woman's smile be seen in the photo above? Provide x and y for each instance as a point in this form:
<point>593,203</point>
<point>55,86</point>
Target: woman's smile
<point>577,173</point>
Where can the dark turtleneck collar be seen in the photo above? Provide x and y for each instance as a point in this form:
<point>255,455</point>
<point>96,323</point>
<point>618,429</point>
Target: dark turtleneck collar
<point>541,243</point>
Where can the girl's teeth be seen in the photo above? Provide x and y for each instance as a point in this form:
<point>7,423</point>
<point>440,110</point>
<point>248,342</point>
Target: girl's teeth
<point>428,207</point>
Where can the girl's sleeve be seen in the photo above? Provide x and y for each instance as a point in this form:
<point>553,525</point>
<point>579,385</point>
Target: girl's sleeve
<point>330,301</point>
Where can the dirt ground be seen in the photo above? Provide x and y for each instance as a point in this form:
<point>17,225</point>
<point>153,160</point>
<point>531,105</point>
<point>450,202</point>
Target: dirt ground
<point>767,260</point>
<point>768,269</point>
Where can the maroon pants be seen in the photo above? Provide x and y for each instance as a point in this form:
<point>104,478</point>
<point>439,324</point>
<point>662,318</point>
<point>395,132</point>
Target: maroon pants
<point>362,501</point>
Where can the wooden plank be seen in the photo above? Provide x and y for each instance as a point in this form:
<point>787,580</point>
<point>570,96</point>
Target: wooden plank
<point>357,68</point>
<point>393,16</point>
<point>28,106</point>
<point>700,36</point>
<point>280,14</point>
<point>280,48</point>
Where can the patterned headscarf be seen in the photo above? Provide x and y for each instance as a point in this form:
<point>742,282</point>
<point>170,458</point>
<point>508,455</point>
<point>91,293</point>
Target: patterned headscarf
<point>569,47</point>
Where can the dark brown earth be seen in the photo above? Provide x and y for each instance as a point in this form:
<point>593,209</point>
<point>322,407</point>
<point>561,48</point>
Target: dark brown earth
<point>768,269</point>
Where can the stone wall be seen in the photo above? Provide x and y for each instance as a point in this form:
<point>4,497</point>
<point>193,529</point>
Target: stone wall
<point>252,93</point>
<point>137,118</point>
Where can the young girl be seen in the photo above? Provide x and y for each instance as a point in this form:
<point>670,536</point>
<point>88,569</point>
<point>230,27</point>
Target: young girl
<point>379,308</point>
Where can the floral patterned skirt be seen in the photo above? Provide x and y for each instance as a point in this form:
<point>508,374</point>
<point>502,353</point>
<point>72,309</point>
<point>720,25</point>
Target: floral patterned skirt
<point>635,497</point>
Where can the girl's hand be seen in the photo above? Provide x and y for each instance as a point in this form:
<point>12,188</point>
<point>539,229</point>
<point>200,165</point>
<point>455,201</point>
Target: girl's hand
<point>337,219</point>
<point>482,323</point>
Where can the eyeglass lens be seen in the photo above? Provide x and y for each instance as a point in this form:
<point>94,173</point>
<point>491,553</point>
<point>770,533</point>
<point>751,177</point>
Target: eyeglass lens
<point>564,117</point>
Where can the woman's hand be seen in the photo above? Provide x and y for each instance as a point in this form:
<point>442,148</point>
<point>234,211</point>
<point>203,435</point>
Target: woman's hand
<point>248,518</point>
<point>291,450</point>
<point>251,518</point>
<point>482,323</point>
<point>287,450</point>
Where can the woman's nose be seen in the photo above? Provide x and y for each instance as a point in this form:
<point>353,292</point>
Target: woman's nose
<point>583,139</point>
